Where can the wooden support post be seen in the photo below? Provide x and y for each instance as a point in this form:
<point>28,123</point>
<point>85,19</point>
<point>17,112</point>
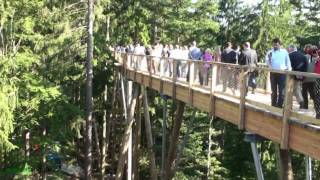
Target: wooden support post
<point>243,93</point>
<point>174,78</point>
<point>126,137</point>
<point>209,148</point>
<point>137,141</point>
<point>174,140</point>
<point>124,101</point>
<point>129,160</point>
<point>153,167</point>
<point>164,137</point>
<point>284,165</point>
<point>191,78</point>
<point>287,112</point>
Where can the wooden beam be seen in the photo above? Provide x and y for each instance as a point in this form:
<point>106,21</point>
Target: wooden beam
<point>126,137</point>
<point>287,112</point>
<point>147,123</point>
<point>243,93</point>
<point>174,140</point>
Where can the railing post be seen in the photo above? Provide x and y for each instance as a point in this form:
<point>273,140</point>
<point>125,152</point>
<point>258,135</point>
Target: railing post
<point>174,78</point>
<point>191,78</point>
<point>213,88</point>
<point>150,63</point>
<point>268,85</point>
<point>243,93</point>
<point>287,111</point>
<point>161,73</point>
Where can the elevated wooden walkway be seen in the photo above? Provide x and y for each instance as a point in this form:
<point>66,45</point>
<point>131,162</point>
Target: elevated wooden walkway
<point>250,112</point>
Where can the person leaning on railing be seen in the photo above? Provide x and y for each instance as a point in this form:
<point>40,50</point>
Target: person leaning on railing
<point>278,59</point>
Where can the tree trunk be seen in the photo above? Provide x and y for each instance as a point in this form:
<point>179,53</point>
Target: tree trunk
<point>97,141</point>
<point>137,141</point>
<point>89,103</point>
<point>153,168</point>
<point>184,142</point>
<point>104,135</point>
<point>174,140</point>
<point>126,137</point>
<point>284,164</point>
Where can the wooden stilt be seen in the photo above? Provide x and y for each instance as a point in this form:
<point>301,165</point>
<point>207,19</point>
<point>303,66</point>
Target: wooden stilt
<point>164,137</point>
<point>153,168</point>
<point>137,141</point>
<point>174,140</point>
<point>287,112</point>
<point>209,148</point>
<point>126,137</point>
<point>284,164</point>
<point>129,160</point>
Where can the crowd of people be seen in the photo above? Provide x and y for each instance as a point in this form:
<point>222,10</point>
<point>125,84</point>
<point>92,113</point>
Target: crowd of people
<point>277,58</point>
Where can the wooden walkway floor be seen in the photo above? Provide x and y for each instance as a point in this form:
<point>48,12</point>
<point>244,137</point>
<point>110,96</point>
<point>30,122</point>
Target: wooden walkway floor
<point>258,116</point>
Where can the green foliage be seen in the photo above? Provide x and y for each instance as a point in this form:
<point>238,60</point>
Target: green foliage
<point>42,73</point>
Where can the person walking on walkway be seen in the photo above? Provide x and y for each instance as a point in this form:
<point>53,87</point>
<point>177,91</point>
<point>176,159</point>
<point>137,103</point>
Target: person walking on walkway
<point>249,57</point>
<point>207,58</point>
<point>229,74</point>
<point>278,59</point>
<point>308,83</point>
<point>298,63</point>
<point>195,54</point>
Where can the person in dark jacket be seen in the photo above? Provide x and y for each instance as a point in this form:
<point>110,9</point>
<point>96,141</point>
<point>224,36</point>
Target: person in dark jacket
<point>249,57</point>
<point>299,62</point>
<point>308,83</point>
<point>229,75</point>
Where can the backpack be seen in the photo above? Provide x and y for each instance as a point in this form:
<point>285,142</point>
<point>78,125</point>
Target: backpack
<point>317,67</point>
